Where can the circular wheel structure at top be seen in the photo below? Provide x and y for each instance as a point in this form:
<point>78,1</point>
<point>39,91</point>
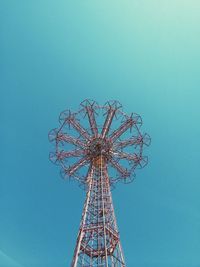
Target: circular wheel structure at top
<point>99,134</point>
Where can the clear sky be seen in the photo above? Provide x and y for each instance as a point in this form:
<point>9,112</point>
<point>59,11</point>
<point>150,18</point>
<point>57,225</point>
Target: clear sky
<point>143,53</point>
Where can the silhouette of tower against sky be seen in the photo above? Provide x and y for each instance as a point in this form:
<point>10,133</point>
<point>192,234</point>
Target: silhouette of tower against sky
<point>98,146</point>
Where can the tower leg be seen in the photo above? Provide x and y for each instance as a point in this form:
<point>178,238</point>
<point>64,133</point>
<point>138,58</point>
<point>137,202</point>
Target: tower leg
<point>98,242</point>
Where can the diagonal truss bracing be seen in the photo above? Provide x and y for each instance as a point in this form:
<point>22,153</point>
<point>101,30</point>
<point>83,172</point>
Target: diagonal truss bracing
<point>98,242</point>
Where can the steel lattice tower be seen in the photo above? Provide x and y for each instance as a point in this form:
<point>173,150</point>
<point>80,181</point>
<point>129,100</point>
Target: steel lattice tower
<point>97,157</point>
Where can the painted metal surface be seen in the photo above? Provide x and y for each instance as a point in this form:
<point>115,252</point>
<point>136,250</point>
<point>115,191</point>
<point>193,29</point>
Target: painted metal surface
<point>99,156</point>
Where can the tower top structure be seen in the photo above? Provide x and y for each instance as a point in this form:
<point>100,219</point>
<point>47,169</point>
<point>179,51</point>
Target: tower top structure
<point>96,131</point>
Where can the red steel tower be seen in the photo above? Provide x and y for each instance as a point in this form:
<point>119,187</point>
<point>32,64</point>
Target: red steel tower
<point>98,156</point>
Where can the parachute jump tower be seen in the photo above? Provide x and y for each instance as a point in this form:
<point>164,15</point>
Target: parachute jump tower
<point>98,146</point>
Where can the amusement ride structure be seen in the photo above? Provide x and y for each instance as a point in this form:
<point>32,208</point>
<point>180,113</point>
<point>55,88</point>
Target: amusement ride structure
<point>98,146</point>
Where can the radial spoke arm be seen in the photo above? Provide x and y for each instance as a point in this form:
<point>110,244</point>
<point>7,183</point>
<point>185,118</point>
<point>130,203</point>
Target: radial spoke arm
<point>77,166</point>
<point>69,139</point>
<point>125,126</point>
<point>137,159</point>
<point>67,154</point>
<point>91,117</point>
<point>131,141</point>
<point>108,121</point>
<point>123,155</point>
<point>78,127</point>
<point>118,167</point>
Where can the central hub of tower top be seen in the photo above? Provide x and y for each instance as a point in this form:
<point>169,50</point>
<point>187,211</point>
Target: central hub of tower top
<point>99,147</point>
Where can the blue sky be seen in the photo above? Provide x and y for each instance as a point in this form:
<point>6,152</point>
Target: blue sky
<point>145,54</point>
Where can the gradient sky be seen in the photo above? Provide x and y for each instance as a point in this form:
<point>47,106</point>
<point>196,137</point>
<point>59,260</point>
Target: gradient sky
<point>143,53</point>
